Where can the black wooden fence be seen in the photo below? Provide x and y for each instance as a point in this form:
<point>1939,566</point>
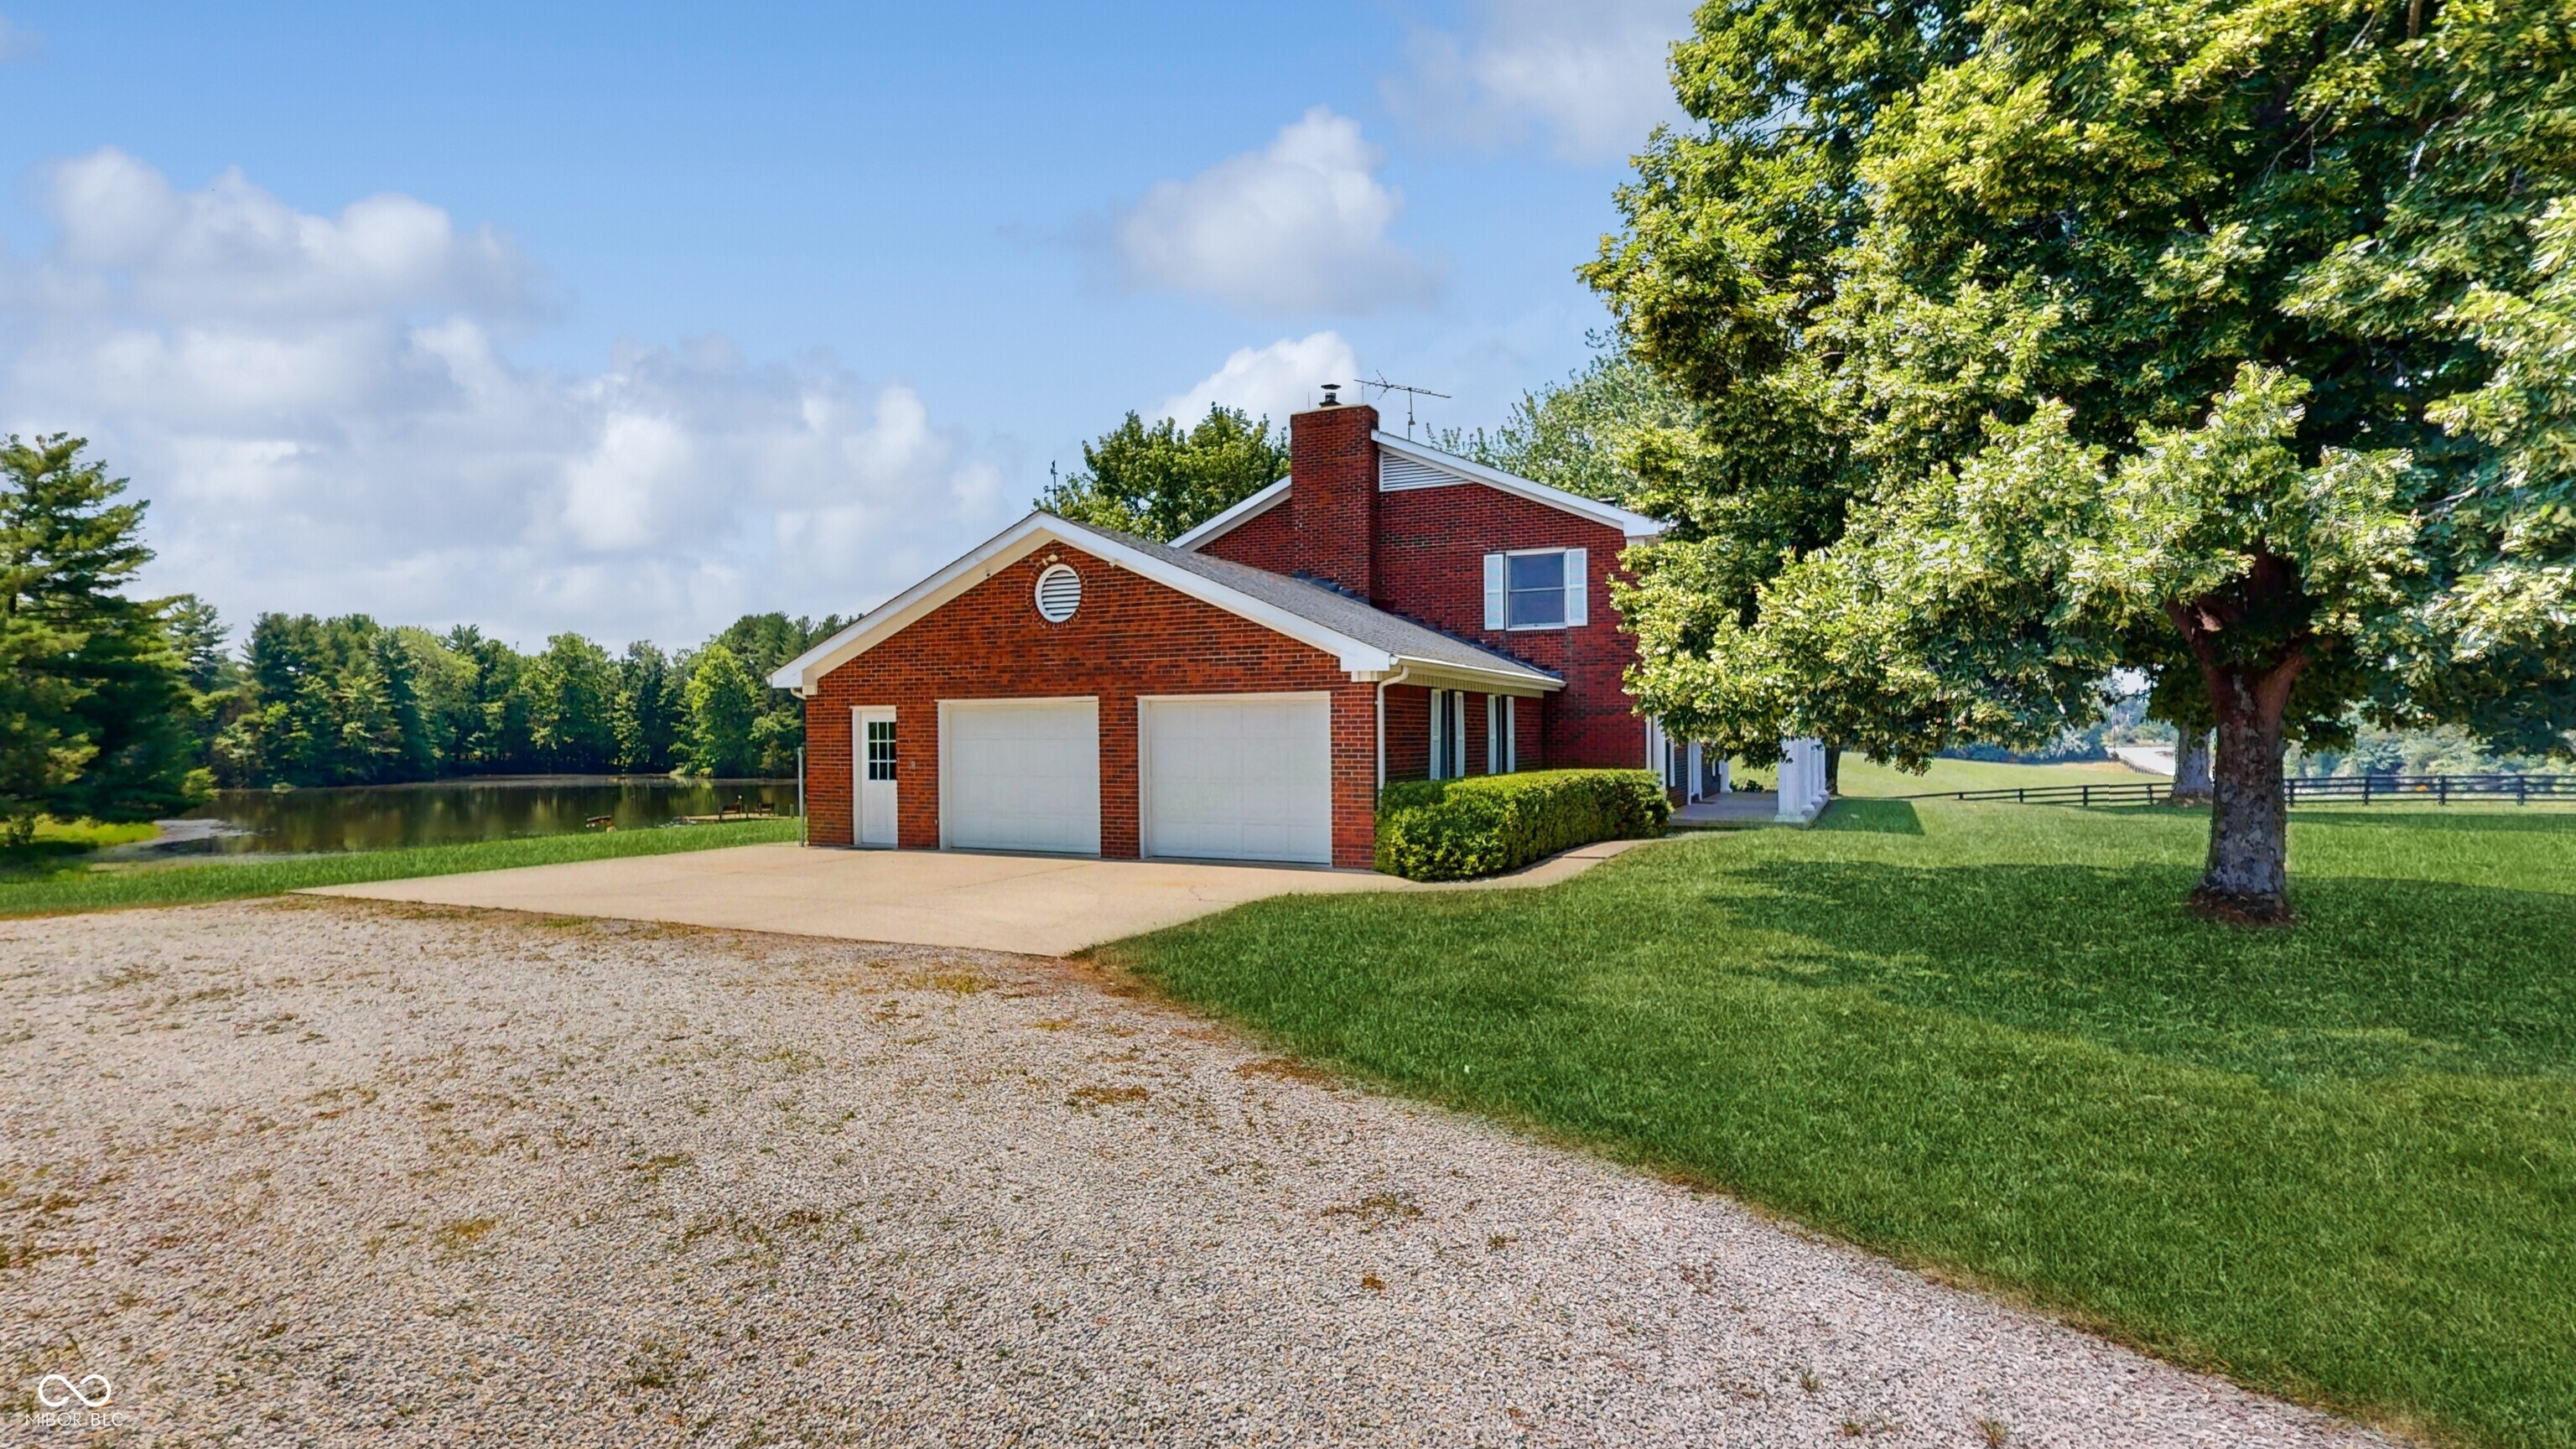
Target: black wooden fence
<point>2303,790</point>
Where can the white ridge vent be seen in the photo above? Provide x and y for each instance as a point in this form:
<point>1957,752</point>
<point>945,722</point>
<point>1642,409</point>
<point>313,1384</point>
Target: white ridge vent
<point>1395,474</point>
<point>1059,593</point>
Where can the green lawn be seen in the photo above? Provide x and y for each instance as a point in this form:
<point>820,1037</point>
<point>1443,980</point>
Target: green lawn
<point>2337,1162</point>
<point>40,881</point>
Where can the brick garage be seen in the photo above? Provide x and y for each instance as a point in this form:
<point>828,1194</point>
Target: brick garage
<point>1131,637</point>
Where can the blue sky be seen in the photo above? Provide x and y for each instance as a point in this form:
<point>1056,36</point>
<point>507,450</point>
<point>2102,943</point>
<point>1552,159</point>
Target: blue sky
<point>629,319</point>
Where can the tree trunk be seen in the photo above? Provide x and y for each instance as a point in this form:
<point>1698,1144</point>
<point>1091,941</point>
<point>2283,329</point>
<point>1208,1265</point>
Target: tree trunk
<point>2248,874</point>
<point>1833,769</point>
<point>2191,766</point>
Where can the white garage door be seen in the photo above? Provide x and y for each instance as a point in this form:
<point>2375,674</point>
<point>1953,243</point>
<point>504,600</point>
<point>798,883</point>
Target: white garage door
<point>1020,774</point>
<point>1239,777</point>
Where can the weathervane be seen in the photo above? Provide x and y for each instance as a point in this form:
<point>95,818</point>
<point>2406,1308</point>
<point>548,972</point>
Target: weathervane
<point>1410,393</point>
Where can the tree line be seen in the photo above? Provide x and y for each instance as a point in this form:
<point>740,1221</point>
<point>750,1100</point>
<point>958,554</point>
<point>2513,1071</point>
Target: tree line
<point>118,708</point>
<point>349,701</point>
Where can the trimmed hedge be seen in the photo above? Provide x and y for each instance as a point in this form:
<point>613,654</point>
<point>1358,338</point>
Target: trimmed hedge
<point>1485,824</point>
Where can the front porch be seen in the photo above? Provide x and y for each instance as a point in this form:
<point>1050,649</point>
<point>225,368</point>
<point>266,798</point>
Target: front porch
<point>1731,810</point>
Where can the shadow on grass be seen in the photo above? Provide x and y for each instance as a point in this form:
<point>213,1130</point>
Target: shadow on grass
<point>2380,976</point>
<point>1872,817</point>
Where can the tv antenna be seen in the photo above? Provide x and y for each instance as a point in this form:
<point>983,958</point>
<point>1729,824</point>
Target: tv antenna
<point>1410,393</point>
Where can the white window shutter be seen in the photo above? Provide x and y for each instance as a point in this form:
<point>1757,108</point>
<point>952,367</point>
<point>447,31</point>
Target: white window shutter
<point>1495,617</point>
<point>1578,588</point>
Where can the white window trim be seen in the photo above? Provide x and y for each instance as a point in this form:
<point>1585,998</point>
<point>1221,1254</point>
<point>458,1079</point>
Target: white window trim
<point>1502,743</point>
<point>1447,751</point>
<point>1575,612</point>
<point>1436,732</point>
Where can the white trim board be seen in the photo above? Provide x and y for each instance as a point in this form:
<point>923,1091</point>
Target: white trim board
<point>1235,517</point>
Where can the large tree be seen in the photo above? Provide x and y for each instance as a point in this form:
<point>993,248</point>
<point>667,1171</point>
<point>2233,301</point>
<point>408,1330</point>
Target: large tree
<point>95,706</point>
<point>572,706</point>
<point>2203,338</point>
<point>1161,481</point>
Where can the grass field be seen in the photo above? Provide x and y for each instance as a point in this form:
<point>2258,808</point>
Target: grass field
<point>2336,1162</point>
<point>43,880</point>
<point>1863,780</point>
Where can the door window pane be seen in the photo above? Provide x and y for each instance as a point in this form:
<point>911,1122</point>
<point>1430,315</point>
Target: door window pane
<point>1537,583</point>
<point>880,749</point>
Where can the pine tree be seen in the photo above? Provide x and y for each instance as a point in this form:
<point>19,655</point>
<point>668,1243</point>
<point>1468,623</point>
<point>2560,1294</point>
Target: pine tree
<point>95,711</point>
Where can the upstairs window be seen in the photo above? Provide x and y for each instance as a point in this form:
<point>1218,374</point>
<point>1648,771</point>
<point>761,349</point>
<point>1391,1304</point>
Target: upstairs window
<point>1538,588</point>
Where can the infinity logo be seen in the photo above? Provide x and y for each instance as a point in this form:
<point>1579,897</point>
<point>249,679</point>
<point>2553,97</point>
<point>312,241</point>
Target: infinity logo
<point>93,1390</point>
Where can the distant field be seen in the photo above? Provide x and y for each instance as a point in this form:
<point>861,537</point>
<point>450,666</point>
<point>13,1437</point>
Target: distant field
<point>1863,780</point>
<point>41,881</point>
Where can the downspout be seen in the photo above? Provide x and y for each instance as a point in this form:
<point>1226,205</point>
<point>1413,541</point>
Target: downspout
<point>1397,677</point>
<point>804,830</point>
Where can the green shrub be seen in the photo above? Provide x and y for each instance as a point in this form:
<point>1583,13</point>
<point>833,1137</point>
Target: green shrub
<point>1459,829</point>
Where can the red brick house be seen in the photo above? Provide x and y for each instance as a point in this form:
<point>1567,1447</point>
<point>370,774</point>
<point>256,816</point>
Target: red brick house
<point>1387,612</point>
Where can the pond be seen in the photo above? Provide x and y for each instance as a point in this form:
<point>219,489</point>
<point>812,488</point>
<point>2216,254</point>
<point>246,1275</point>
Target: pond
<point>377,817</point>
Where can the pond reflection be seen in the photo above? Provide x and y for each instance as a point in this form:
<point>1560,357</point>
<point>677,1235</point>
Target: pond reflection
<point>379,817</point>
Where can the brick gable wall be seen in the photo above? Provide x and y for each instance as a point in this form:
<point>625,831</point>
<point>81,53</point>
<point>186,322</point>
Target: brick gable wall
<point>1267,542</point>
<point>1130,637</point>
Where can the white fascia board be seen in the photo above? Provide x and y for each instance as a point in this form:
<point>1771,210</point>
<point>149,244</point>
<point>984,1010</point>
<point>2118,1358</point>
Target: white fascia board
<point>1025,537</point>
<point>1231,519</point>
<point>1632,526</point>
<point>1441,674</point>
<point>892,616</point>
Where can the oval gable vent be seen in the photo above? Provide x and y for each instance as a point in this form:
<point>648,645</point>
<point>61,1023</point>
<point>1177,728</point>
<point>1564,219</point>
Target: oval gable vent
<point>1059,593</point>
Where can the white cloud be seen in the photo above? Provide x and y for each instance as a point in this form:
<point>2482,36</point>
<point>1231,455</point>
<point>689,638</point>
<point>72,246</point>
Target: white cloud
<point>17,42</point>
<point>323,418</point>
<point>1273,381</point>
<point>1590,77</point>
<point>233,250</point>
<point>1298,226</point>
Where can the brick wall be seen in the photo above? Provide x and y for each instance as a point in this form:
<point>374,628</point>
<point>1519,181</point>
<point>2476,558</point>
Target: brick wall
<point>1430,566</point>
<point>1267,542</point>
<point>1335,499</point>
<point>1130,637</point>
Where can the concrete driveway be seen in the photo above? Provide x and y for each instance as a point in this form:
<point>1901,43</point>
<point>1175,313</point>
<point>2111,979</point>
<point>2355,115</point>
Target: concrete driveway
<point>1039,905</point>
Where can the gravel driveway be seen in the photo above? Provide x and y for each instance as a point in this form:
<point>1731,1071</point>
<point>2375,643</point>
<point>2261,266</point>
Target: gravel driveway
<point>325,1172</point>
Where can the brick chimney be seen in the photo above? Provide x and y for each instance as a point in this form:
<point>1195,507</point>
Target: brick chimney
<point>1333,459</point>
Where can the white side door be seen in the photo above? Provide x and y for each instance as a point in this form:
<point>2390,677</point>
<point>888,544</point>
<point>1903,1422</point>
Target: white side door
<point>1238,777</point>
<point>1020,774</point>
<point>872,744</point>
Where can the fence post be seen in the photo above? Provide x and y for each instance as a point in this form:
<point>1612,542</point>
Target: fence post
<point>2442,787</point>
<point>2521,786</point>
